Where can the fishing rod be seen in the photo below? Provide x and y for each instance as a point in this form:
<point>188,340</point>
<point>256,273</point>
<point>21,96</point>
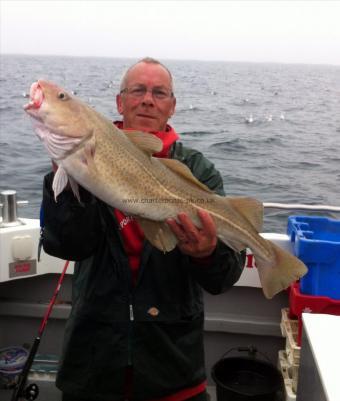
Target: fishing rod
<point>31,392</point>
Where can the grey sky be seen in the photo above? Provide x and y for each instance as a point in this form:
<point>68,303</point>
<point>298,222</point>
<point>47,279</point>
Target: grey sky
<point>276,31</point>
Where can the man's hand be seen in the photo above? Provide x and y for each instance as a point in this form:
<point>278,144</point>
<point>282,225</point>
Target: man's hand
<point>194,241</point>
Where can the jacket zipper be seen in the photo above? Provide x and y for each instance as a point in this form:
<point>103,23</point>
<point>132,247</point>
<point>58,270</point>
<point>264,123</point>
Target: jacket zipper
<point>123,260</point>
<point>131,312</point>
<point>131,290</point>
<point>130,331</point>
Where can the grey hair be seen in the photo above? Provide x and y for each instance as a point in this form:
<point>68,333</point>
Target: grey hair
<point>147,60</point>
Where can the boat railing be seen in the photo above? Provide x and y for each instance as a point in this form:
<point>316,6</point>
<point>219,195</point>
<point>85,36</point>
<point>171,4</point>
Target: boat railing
<point>302,207</point>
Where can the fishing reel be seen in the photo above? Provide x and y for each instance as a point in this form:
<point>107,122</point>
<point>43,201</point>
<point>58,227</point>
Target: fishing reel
<point>29,393</point>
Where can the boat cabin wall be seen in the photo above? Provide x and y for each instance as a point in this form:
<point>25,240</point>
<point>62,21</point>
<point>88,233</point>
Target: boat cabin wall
<point>240,317</point>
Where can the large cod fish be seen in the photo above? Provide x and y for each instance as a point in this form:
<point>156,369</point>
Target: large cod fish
<point>118,167</point>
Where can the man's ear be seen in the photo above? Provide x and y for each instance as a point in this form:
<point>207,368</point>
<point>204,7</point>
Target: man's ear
<point>119,104</point>
<point>172,111</point>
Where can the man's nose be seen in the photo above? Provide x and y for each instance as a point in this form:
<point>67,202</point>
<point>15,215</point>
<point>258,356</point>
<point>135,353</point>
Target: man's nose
<point>148,97</point>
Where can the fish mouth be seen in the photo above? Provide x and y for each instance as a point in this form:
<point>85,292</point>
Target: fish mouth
<point>36,97</point>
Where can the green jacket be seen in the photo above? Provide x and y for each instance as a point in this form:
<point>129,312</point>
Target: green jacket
<point>111,325</point>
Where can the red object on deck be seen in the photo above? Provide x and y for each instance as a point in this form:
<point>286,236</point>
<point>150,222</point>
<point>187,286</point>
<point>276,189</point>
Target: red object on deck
<point>300,303</point>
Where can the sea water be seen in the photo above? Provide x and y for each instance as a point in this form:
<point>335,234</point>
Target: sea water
<point>272,130</point>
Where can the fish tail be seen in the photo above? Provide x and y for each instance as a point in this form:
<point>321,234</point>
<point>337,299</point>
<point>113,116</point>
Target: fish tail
<point>278,274</point>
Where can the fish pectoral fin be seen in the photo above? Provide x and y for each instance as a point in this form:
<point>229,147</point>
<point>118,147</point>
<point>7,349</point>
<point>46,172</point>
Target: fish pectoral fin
<point>286,269</point>
<point>250,208</point>
<point>184,171</point>
<point>158,233</point>
<point>88,155</point>
<point>60,181</point>
<point>75,188</point>
<point>147,142</point>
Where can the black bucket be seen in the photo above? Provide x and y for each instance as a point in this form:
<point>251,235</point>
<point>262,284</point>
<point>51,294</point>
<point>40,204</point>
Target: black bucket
<point>246,378</point>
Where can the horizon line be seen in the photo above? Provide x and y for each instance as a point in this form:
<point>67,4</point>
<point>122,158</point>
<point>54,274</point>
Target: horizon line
<point>173,59</point>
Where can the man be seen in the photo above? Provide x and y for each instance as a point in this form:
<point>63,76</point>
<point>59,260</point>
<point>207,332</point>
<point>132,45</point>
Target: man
<point>136,327</point>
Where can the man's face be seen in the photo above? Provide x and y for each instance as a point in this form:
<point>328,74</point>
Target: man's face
<point>149,111</point>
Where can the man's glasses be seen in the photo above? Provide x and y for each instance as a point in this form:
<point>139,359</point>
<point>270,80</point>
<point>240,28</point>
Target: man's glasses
<point>139,91</point>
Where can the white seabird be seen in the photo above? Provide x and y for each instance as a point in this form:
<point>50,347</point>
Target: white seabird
<point>249,119</point>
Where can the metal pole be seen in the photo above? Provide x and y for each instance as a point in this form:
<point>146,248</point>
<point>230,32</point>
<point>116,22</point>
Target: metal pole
<point>9,206</point>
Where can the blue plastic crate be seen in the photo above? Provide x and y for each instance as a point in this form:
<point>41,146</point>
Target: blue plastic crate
<point>316,241</point>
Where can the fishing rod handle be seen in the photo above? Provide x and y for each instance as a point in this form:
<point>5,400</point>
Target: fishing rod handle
<point>20,388</point>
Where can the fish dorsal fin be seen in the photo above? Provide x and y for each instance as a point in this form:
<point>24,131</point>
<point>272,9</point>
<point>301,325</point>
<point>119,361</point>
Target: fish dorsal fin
<point>181,169</point>
<point>145,141</point>
<point>158,233</point>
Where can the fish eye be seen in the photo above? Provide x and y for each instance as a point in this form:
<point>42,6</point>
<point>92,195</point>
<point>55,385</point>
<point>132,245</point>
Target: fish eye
<point>61,95</point>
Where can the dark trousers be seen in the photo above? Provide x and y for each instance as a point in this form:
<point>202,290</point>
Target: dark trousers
<point>198,397</point>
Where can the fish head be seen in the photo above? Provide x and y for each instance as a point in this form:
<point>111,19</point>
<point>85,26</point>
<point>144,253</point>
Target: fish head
<point>61,120</point>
